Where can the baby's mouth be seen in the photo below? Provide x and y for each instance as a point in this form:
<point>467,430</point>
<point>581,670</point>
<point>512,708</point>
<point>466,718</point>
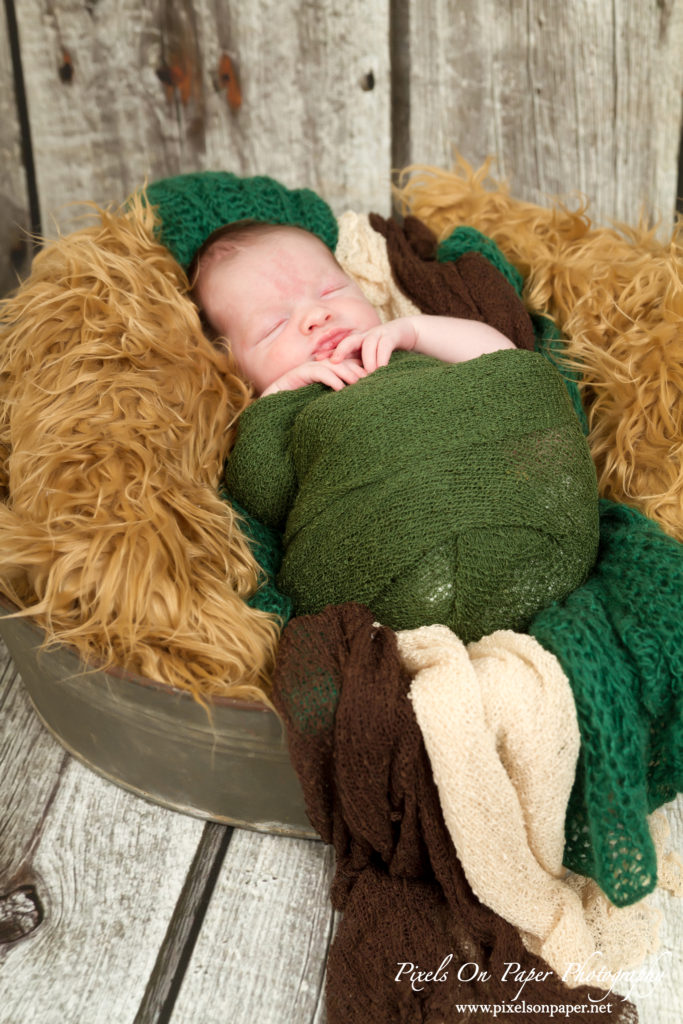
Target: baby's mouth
<point>330,340</point>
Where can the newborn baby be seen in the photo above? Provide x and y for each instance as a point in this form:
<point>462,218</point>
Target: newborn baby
<point>424,467</point>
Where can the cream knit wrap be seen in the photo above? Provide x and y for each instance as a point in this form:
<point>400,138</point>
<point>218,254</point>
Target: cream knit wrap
<point>499,725</point>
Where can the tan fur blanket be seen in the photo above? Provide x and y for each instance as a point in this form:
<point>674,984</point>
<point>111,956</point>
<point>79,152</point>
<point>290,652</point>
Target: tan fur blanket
<point>115,418</point>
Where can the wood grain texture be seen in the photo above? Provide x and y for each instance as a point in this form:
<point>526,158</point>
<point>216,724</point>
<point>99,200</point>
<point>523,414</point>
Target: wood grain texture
<point>123,92</point>
<point>261,953</point>
<point>108,869</point>
<point>31,766</point>
<point>15,246</point>
<point>315,82</point>
<point>575,96</point>
<point>188,916</point>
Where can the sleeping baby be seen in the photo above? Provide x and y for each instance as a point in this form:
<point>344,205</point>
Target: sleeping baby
<point>425,467</point>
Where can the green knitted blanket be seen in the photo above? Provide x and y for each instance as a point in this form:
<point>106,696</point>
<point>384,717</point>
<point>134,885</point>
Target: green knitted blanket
<point>619,638</point>
<point>431,492</point>
<point>266,547</point>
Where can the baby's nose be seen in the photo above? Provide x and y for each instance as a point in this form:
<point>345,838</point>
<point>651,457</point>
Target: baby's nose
<point>316,316</point>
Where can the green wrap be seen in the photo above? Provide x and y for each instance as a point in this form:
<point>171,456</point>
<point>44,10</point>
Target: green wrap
<point>429,491</point>
<point>620,641</point>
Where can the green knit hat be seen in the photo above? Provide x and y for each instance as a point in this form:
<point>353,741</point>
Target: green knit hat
<point>192,206</point>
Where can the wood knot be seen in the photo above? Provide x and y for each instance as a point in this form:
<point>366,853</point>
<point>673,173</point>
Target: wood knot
<point>66,68</point>
<point>177,76</point>
<point>20,913</point>
<point>229,81</point>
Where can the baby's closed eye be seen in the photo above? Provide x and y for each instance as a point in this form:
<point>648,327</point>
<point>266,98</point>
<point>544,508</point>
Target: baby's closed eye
<point>269,332</point>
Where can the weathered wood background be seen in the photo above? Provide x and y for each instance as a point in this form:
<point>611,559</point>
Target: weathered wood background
<point>129,913</point>
<point>99,95</point>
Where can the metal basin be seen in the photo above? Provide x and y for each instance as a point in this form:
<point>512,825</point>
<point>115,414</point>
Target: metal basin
<point>230,765</point>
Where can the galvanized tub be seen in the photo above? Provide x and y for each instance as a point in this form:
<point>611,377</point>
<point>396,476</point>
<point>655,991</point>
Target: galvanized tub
<point>230,765</point>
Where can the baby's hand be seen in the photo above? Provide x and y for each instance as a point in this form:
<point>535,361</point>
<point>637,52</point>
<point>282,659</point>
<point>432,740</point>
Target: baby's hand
<point>336,376</point>
<point>374,347</point>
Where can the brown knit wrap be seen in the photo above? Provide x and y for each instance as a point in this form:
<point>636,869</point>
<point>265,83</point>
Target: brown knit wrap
<point>358,751</point>
<point>471,287</point>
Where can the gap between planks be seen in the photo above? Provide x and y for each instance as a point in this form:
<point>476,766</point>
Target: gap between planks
<point>176,950</point>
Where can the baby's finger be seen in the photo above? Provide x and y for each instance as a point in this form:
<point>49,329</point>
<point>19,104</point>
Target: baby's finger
<point>384,350</point>
<point>358,371</point>
<point>346,347</point>
<point>370,346</point>
<point>350,370</point>
<point>330,377</point>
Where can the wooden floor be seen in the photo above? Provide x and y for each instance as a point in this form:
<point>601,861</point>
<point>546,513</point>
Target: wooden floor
<point>116,911</point>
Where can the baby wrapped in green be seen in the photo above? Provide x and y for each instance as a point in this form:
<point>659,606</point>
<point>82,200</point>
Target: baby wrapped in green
<point>432,492</point>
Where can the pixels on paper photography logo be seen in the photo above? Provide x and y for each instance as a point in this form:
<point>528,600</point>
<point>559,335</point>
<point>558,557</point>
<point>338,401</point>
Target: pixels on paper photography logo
<point>619,984</point>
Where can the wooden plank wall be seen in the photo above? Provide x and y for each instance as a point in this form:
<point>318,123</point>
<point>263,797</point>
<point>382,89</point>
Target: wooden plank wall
<point>570,96</point>
<point>122,92</point>
<point>15,222</point>
<point>581,95</point>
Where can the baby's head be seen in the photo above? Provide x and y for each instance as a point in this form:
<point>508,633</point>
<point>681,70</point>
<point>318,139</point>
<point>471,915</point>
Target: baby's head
<point>278,296</point>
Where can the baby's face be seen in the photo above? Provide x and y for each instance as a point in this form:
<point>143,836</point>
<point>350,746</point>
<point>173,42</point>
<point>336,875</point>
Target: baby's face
<point>280,301</point>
